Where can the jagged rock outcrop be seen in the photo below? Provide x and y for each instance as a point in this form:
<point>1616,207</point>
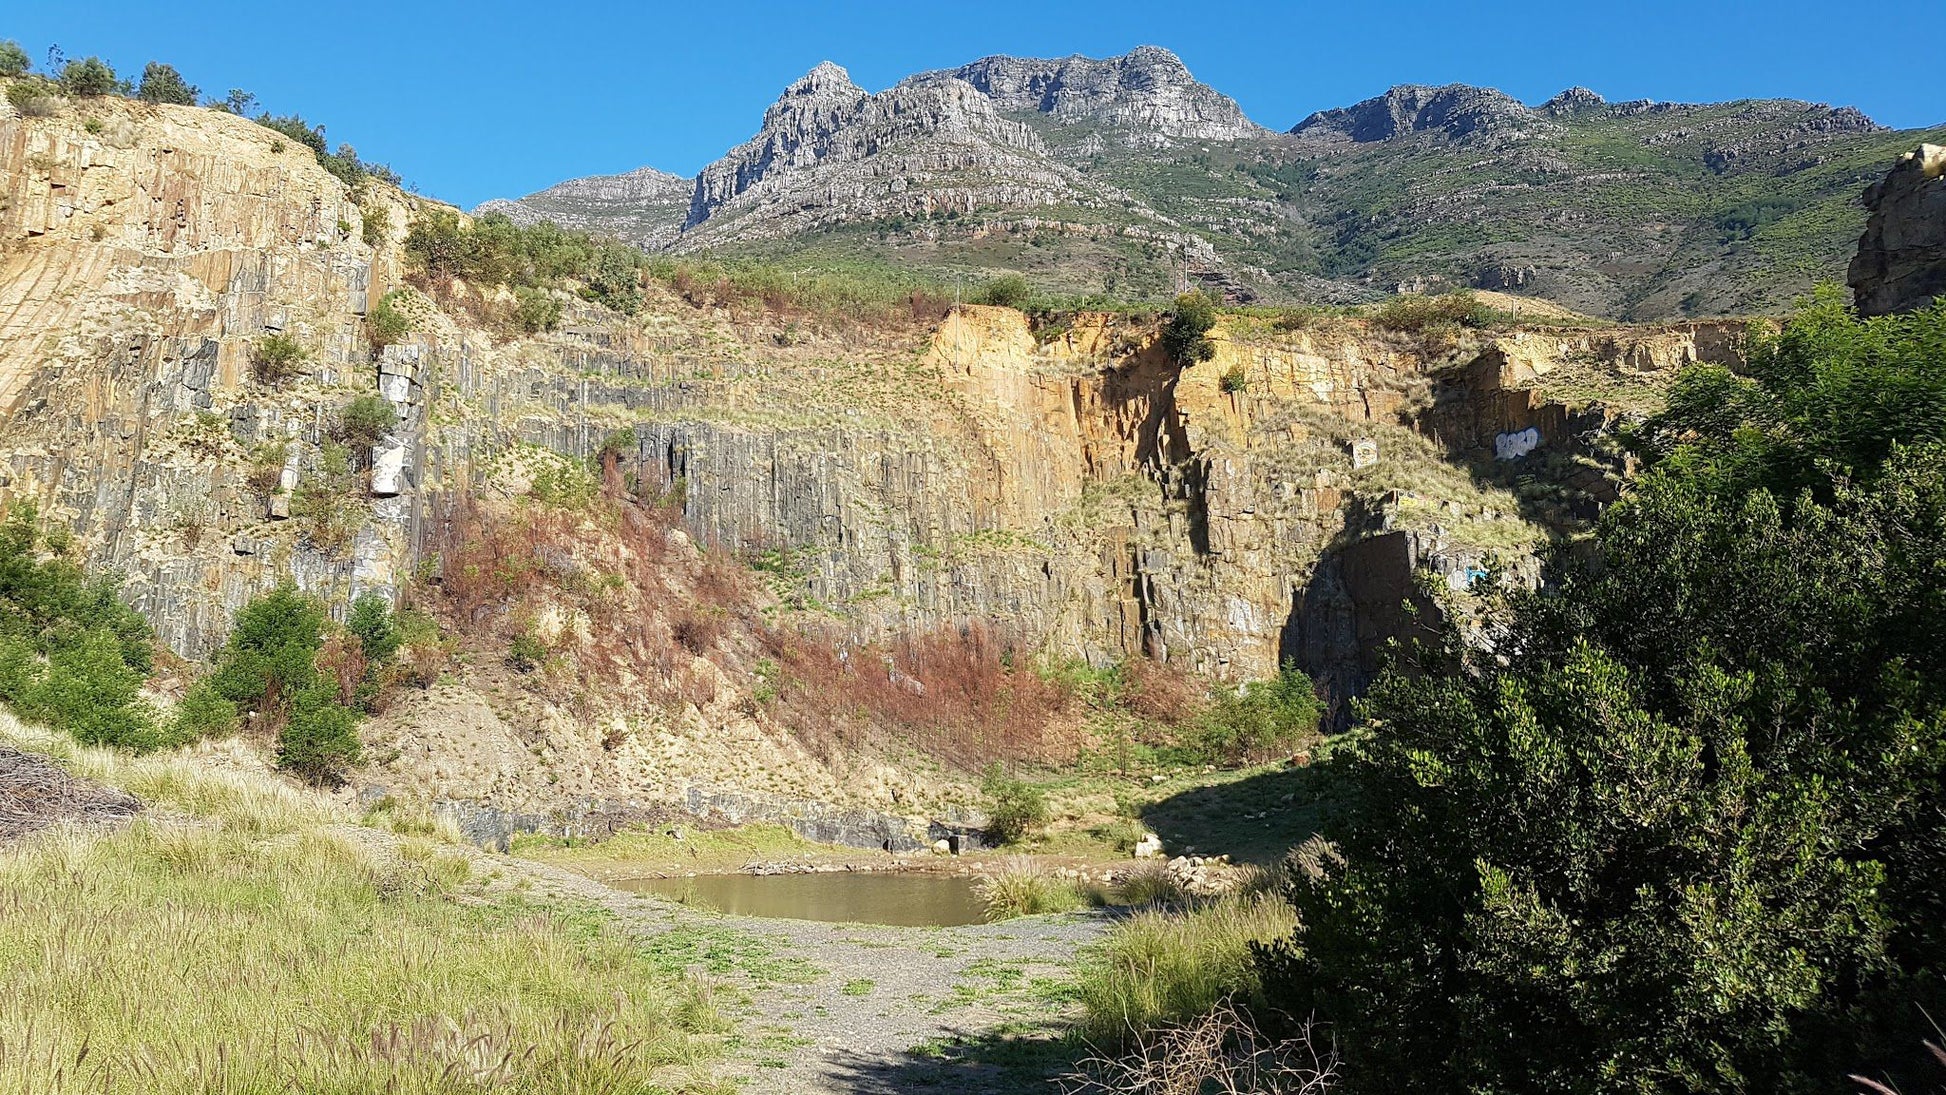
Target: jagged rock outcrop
<point>1573,101</point>
<point>1146,96</point>
<point>644,206</point>
<point>1901,260</point>
<point>828,152</point>
<point>1456,110</point>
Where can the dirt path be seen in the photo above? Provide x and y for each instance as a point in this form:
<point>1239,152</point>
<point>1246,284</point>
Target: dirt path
<point>859,1008</point>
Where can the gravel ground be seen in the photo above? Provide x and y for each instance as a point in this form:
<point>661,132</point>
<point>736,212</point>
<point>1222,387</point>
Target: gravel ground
<point>862,1008</point>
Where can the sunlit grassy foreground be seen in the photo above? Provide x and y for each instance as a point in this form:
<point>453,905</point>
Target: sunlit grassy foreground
<point>245,937</point>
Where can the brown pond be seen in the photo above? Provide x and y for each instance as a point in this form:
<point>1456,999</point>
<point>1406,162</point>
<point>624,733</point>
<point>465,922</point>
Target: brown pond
<point>846,897</point>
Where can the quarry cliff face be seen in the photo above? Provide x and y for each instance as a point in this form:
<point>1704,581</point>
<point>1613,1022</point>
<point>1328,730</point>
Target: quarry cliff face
<point>1070,487</point>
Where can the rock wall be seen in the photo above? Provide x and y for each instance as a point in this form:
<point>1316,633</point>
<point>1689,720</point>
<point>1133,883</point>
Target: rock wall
<point>1901,260</point>
<point>1072,488</point>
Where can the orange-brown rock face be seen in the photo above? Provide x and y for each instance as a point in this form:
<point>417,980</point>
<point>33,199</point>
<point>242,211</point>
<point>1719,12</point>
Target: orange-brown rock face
<point>1074,488</point>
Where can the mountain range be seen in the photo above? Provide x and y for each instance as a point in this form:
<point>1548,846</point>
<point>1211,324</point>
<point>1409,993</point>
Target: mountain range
<point>1123,176</point>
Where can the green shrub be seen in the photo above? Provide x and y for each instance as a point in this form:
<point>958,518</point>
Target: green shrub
<point>526,653</point>
<point>1418,313</point>
<point>1007,291</point>
<point>278,358</point>
<point>33,98</point>
<point>494,251</point>
<point>364,422</point>
<point>536,310</point>
<point>1262,721</point>
<point>388,323</point>
<point>320,742</point>
<point>1234,380</point>
<point>89,691</point>
<point>1683,827</point>
<point>203,713</point>
<point>88,78</point>
<point>378,633</point>
<point>269,666</point>
<point>13,59</point>
<point>163,84</point>
<point>297,129</point>
<point>1015,808</point>
<point>72,655</point>
<point>377,223</point>
<point>1185,338</point>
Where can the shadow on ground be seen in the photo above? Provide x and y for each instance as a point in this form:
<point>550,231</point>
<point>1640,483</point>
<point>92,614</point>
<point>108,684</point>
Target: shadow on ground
<point>1017,1057</point>
<point>1252,820</point>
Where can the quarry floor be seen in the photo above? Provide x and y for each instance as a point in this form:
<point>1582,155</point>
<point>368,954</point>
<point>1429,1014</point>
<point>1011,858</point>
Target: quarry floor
<point>849,1008</point>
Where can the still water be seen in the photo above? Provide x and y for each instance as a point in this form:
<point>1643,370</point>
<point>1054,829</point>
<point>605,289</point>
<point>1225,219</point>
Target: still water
<point>852,897</point>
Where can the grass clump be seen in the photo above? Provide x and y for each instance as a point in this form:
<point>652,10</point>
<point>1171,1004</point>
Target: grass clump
<point>1170,967</point>
<point>308,961</point>
<point>1023,887</point>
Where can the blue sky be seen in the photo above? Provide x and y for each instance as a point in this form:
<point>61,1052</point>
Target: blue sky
<point>490,98</point>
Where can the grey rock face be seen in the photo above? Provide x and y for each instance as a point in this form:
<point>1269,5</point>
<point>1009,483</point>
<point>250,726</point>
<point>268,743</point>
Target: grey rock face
<point>1456,110</point>
<point>1901,261</point>
<point>829,152</point>
<point>644,206</point>
<point>1148,95</point>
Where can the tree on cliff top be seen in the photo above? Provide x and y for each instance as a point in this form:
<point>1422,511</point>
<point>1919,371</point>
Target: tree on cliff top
<point>163,84</point>
<point>1186,337</point>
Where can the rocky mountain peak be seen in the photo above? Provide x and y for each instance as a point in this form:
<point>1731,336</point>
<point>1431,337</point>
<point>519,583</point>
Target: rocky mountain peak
<point>1148,94</point>
<point>1573,101</point>
<point>1457,110</point>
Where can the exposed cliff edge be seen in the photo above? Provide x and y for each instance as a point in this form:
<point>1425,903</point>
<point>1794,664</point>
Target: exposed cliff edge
<point>1068,487</point>
<point>1901,261</point>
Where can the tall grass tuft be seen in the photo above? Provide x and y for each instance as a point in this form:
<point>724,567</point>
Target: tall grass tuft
<point>1163,967</point>
<point>1023,887</point>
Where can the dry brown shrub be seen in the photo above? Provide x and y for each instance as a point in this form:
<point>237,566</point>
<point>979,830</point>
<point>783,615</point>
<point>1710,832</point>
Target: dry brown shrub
<point>1161,693</point>
<point>956,693</point>
<point>697,630</point>
<point>342,661</point>
<point>1221,1053</point>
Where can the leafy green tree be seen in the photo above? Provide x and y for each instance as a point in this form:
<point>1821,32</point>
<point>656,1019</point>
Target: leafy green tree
<point>163,84</point>
<point>89,691</point>
<point>1683,829</point>
<point>1185,338</point>
<point>1263,720</point>
<point>536,310</point>
<point>89,77</point>
<point>13,60</point>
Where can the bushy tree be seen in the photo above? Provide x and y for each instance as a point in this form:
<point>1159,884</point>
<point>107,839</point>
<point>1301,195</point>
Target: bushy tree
<point>1261,721</point>
<point>269,667</point>
<point>1015,808</point>
<point>89,77</point>
<point>1007,291</point>
<point>13,60</point>
<point>72,654</point>
<point>378,633</point>
<point>163,84</point>
<point>1682,830</point>
<point>1185,338</point>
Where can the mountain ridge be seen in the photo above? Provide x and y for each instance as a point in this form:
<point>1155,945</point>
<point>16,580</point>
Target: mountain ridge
<point>1110,176</point>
